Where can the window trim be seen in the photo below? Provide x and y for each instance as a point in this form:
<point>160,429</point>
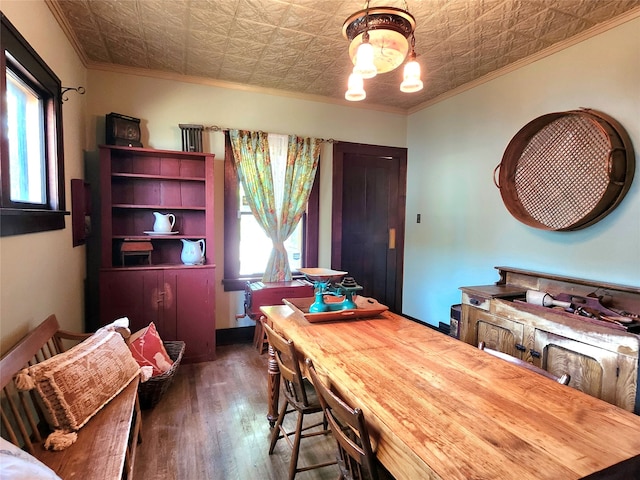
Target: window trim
<point>19,218</point>
<point>232,279</point>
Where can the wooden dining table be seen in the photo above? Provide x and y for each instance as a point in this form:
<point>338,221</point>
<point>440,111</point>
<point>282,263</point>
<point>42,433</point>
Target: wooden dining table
<point>439,408</point>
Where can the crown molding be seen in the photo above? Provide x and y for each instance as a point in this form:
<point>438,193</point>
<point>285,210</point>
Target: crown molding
<point>54,7</point>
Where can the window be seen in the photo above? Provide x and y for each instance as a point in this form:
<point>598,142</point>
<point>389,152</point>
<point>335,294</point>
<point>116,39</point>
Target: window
<point>31,166</point>
<point>247,247</point>
<point>255,245</point>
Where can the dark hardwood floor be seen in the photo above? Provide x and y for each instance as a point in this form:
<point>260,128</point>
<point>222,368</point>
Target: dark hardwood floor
<point>211,425</point>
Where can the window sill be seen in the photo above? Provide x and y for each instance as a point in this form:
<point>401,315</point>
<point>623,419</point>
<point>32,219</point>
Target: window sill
<point>236,284</point>
<point>16,221</point>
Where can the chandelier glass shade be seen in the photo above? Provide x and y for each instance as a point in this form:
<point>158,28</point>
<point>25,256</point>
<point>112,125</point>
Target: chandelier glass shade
<point>411,78</point>
<point>389,30</point>
<point>380,38</point>
<point>355,89</point>
<point>363,61</point>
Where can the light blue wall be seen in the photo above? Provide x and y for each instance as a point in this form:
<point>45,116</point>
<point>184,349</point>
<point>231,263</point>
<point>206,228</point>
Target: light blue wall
<point>454,147</point>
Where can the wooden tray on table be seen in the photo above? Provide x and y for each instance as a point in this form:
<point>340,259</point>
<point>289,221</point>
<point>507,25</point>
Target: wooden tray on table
<point>367,308</point>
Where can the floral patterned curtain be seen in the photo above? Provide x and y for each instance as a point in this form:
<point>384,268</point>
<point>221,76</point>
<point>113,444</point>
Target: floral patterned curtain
<point>303,155</point>
<point>253,163</point>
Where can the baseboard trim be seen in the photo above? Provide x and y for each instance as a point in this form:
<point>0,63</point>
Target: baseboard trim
<point>231,336</point>
<point>442,327</point>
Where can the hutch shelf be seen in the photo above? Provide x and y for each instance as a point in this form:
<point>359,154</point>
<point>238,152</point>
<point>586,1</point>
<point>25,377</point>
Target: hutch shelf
<point>178,298</point>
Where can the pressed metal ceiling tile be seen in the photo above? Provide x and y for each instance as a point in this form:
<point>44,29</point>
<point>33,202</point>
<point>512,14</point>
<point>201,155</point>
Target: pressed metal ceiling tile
<point>209,21</point>
<point>248,29</point>
<point>238,63</point>
<point>328,48</point>
<point>570,26</point>
<point>230,74</point>
<point>221,7</point>
<point>272,69</point>
<point>297,41</point>
<point>297,45</point>
<point>200,65</point>
<point>78,13</point>
<point>595,11</point>
<point>250,51</point>
<point>267,80</point>
<point>125,46</point>
<point>210,41</point>
<point>165,37</point>
<point>280,56</point>
<point>265,11</point>
<point>305,20</point>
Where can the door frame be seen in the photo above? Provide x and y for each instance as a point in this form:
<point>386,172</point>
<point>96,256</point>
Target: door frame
<point>339,151</point>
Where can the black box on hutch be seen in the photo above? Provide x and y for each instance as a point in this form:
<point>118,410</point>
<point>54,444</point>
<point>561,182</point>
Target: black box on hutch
<point>122,130</point>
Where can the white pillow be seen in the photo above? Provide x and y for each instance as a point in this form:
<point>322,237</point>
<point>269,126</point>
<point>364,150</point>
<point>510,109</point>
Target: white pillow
<point>16,464</point>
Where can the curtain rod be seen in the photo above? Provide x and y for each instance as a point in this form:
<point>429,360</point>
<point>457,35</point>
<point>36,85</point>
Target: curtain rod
<point>216,128</point>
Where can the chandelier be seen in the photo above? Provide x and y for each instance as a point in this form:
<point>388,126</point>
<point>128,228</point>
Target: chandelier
<point>381,39</point>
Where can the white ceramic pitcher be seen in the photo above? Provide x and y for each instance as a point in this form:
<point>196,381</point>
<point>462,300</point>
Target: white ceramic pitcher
<point>192,252</point>
<point>163,223</point>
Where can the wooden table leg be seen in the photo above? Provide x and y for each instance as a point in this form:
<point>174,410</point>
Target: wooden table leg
<point>273,386</point>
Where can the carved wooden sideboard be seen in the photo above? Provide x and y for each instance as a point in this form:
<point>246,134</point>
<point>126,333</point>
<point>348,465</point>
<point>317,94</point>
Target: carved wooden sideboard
<point>601,356</point>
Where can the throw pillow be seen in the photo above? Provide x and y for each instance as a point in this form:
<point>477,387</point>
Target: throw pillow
<point>148,350</point>
<point>74,385</point>
<point>16,464</point>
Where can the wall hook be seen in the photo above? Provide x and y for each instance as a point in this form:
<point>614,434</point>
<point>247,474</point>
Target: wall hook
<point>79,90</point>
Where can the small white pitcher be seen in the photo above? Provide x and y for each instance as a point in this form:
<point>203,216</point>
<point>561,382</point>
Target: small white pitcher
<point>163,223</point>
<point>192,252</point>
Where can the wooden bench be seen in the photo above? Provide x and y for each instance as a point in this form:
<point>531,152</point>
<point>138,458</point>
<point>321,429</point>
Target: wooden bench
<point>106,445</point>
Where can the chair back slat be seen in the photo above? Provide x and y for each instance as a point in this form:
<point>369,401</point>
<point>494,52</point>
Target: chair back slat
<point>22,414</point>
<point>287,359</point>
<point>21,418</point>
<point>355,455</point>
<point>22,353</point>
<point>564,379</point>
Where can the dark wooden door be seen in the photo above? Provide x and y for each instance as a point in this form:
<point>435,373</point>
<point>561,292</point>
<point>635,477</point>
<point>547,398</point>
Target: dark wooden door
<point>369,191</point>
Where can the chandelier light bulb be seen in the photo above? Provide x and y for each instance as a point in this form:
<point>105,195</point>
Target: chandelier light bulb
<point>411,82</point>
<point>364,60</point>
<point>355,91</point>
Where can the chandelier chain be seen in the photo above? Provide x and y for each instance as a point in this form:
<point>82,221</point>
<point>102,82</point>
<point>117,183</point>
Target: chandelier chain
<point>366,5</point>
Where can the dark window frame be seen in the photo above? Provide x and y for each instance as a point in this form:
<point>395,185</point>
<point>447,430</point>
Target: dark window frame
<point>232,279</point>
<point>16,217</point>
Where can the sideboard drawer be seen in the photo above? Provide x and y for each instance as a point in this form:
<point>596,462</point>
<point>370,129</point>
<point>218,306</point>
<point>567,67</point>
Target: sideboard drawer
<point>476,301</point>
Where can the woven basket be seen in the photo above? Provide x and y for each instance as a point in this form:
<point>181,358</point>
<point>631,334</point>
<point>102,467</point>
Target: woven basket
<point>152,390</point>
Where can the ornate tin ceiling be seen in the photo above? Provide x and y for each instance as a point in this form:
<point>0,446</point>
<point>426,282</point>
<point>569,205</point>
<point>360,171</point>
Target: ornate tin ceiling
<point>297,45</point>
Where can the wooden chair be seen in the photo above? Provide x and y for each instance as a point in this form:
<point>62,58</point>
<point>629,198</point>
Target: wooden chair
<point>356,459</point>
<point>300,397</point>
<point>564,379</point>
<point>260,340</point>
